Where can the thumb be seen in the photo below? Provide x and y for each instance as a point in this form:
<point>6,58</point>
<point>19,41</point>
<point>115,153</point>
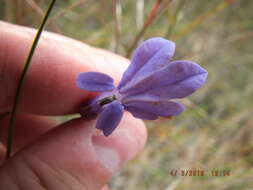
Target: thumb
<point>73,156</point>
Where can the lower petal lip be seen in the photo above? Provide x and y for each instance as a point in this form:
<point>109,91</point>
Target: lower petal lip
<point>110,117</point>
<point>158,108</point>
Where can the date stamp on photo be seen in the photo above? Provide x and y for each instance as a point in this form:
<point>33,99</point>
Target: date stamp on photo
<point>198,172</point>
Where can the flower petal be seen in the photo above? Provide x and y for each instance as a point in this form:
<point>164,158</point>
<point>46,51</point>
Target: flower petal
<point>110,117</point>
<point>144,53</point>
<point>95,82</point>
<point>159,108</point>
<point>159,60</point>
<point>176,80</point>
<point>181,89</point>
<point>140,113</point>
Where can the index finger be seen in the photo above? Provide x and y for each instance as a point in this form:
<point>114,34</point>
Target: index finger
<point>50,87</point>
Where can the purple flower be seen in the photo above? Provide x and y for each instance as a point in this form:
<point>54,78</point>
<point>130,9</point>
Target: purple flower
<point>146,88</point>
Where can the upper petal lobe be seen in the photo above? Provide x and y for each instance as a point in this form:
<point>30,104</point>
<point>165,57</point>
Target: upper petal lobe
<point>95,82</point>
<point>175,80</point>
<point>157,62</point>
<point>144,53</point>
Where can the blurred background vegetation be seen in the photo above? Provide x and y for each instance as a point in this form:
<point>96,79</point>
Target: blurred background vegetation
<point>216,130</point>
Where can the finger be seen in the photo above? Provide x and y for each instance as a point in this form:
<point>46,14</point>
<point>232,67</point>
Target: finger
<point>105,188</point>
<point>27,129</point>
<point>2,153</point>
<point>71,156</point>
<point>50,85</point>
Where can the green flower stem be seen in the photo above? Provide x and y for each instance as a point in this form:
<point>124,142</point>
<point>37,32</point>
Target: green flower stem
<point>22,79</point>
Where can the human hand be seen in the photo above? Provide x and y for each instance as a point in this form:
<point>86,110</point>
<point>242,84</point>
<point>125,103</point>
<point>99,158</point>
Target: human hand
<point>71,155</point>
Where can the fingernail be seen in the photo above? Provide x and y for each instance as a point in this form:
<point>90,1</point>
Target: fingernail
<point>115,150</point>
<point>108,157</point>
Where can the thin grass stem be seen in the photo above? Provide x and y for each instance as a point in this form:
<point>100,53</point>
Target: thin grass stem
<point>117,10</point>
<point>155,13</point>
<point>174,19</point>
<point>21,81</point>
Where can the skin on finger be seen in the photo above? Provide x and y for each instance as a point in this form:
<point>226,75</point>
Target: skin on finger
<point>2,153</point>
<point>50,86</point>
<point>105,188</point>
<point>27,129</point>
<point>71,156</point>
